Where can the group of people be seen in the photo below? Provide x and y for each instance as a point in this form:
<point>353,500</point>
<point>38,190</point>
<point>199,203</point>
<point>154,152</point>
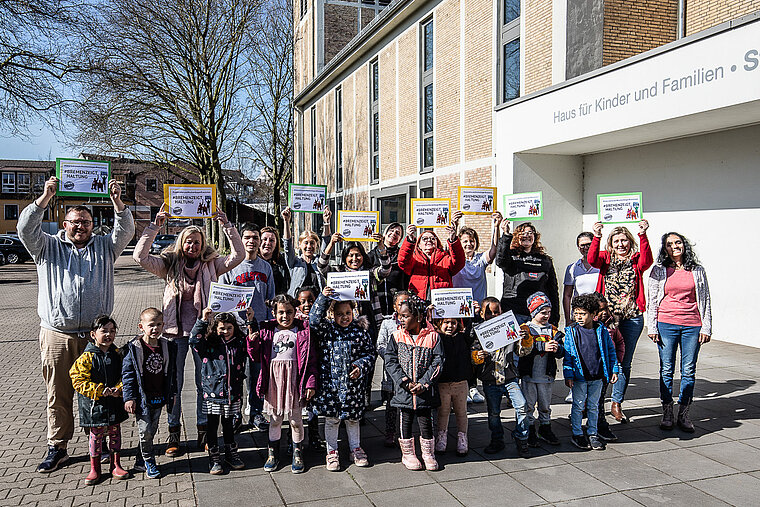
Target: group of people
<point>298,352</point>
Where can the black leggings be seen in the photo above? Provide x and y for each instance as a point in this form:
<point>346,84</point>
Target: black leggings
<point>424,421</point>
<point>212,428</point>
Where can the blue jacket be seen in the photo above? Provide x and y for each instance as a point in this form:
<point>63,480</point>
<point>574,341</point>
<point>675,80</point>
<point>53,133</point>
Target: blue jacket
<point>572,368</point>
<point>222,365</point>
<point>132,373</point>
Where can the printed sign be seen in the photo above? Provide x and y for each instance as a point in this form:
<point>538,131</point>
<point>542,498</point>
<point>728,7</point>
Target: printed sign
<point>229,298</point>
<point>85,178</point>
<point>358,225</point>
<point>190,201</point>
<point>452,303</point>
<point>349,285</point>
<point>525,206</point>
<point>431,212</point>
<point>477,200</point>
<point>498,332</point>
<point>306,198</point>
<point>619,208</point>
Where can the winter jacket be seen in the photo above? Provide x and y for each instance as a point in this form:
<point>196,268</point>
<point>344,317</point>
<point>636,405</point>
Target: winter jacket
<point>132,373</point>
<point>395,281</point>
<point>222,365</point>
<point>298,266</point>
<point>457,365</point>
<point>434,272</point>
<point>340,350</point>
<point>260,351</point>
<point>209,272</point>
<point>499,366</point>
<point>90,374</point>
<point>572,367</point>
<point>526,274</point>
<point>525,363</point>
<point>417,360</point>
<point>74,287</point>
<point>657,278</point>
<point>641,260</point>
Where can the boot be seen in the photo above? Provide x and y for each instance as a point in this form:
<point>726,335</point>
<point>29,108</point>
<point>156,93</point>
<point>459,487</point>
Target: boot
<point>427,445</point>
<point>462,446</point>
<point>117,472</point>
<point>202,437</point>
<point>94,476</point>
<point>440,441</point>
<point>315,441</point>
<point>273,456</point>
<point>172,446</point>
<point>667,417</point>
<point>408,455</point>
<point>232,457</point>
<point>297,465</point>
<point>684,423</point>
<point>532,436</point>
<point>215,461</point>
<point>617,412</point>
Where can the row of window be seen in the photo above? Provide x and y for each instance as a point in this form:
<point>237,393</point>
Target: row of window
<point>151,184</point>
<point>22,182</point>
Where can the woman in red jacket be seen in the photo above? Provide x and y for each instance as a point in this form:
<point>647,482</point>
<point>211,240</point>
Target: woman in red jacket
<point>428,264</point>
<point>621,269</point>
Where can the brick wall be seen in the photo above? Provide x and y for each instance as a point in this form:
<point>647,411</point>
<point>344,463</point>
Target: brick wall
<point>478,85</point>
<point>446,88</point>
<point>634,26</point>
<point>361,127</point>
<point>409,105</point>
<point>387,108</point>
<point>538,44</point>
<point>341,25</point>
<point>349,120</point>
<point>702,14</point>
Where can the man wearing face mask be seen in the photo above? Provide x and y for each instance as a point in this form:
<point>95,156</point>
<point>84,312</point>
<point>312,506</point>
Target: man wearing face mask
<point>75,272</point>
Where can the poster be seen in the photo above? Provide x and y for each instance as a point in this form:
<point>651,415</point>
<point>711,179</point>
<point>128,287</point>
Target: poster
<point>84,178</point>
<point>431,212</point>
<point>619,208</point>
<point>452,303</point>
<point>349,285</point>
<point>477,200</point>
<point>229,298</point>
<point>358,225</point>
<point>190,201</point>
<point>498,332</point>
<point>304,198</point>
<point>525,206</point>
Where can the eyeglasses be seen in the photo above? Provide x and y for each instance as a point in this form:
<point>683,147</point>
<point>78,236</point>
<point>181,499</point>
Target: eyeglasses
<point>80,223</point>
<point>427,239</point>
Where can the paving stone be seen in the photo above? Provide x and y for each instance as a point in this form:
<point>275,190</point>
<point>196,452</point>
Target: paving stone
<point>673,494</point>
<point>738,490</point>
<point>558,483</point>
<point>475,491</point>
<point>737,455</point>
<point>685,465</point>
<point>433,494</point>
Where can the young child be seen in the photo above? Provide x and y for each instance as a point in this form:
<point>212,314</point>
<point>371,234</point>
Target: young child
<point>346,355</point>
<point>538,369</point>
<point>388,327</point>
<point>288,377</point>
<point>221,346</point>
<point>453,382</point>
<point>499,376</point>
<point>589,361</point>
<point>306,297</point>
<point>96,377</point>
<point>414,360</point>
<point>150,382</point>
<point>608,319</point>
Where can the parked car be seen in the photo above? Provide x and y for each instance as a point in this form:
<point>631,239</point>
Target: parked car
<point>13,250</point>
<point>161,242</point>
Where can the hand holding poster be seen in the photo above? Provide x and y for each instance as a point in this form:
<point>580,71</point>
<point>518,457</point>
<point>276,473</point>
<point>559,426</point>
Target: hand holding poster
<point>477,200</point>
<point>190,201</point>
<point>85,178</point>
<point>229,298</point>
<point>619,208</point>
<point>358,225</point>
<point>306,198</point>
<point>525,206</point>
<point>431,212</point>
<point>452,303</point>
<point>498,332</point>
<point>349,285</point>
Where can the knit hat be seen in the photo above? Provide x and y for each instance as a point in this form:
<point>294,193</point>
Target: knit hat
<point>537,302</point>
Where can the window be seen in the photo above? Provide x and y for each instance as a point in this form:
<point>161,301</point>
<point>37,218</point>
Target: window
<point>393,209</point>
<point>375,123</point>
<point>508,74</point>
<point>338,139</point>
<point>11,211</point>
<point>151,185</point>
<point>426,102</point>
<point>9,183</point>
<point>38,182</point>
<point>426,193</point>
<point>154,211</point>
<point>23,182</point>
<point>313,145</point>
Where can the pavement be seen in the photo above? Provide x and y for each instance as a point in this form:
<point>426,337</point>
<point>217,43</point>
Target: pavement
<point>717,465</point>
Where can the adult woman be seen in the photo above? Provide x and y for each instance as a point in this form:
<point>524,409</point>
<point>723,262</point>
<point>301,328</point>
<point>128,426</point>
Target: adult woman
<point>679,315</point>
<point>621,268</point>
<point>396,280</point>
<point>188,266</point>
<point>473,273</point>
<point>303,268</point>
<point>527,270</point>
<point>269,250</point>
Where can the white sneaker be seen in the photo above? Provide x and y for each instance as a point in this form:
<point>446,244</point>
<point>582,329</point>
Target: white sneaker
<point>476,396</point>
<point>247,409</point>
<point>569,397</point>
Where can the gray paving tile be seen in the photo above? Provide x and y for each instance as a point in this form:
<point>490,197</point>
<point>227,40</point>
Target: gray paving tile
<point>381,476</point>
<point>316,484</point>
<point>616,499</point>
<point>625,473</point>
<point>564,482</point>
<point>738,490</point>
<point>453,467</point>
<point>344,501</point>
<point>476,491</point>
<point>433,494</point>
<point>673,494</point>
<point>685,465</point>
<point>737,455</point>
<point>259,490</point>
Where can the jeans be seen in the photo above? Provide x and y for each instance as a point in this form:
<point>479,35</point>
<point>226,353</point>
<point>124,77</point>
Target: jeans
<point>673,336</point>
<point>538,393</point>
<point>175,416</point>
<point>147,426</point>
<point>585,394</point>
<point>493,394</point>
<point>256,403</point>
<point>631,330</point>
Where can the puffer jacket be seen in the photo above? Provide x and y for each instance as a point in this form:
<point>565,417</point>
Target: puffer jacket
<point>90,374</point>
<point>132,373</point>
<point>573,368</point>
<point>222,365</point>
<point>417,360</point>
<point>434,272</point>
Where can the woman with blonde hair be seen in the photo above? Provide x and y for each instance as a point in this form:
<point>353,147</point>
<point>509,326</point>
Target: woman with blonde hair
<point>304,271</point>
<point>621,282</point>
<point>188,266</point>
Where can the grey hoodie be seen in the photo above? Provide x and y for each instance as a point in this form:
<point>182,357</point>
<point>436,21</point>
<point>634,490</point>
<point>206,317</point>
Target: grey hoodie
<point>74,287</point>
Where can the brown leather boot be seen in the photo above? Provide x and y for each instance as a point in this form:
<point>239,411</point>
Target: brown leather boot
<point>683,419</point>
<point>667,417</point>
<point>617,412</point>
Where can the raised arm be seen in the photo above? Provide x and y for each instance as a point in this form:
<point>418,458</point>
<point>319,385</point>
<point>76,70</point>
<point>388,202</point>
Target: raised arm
<point>151,263</point>
<point>496,220</point>
<point>503,251</point>
<point>406,252</point>
<point>29,225</point>
<point>237,250</point>
<point>645,255</point>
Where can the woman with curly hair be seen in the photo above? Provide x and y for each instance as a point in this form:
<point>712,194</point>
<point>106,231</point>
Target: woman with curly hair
<point>679,315</point>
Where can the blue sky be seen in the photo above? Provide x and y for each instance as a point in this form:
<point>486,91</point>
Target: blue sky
<point>41,144</point>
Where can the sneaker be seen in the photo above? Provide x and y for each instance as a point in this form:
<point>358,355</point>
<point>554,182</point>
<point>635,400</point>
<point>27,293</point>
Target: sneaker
<point>532,437</point>
<point>475,395</point>
<point>462,445</point>
<point>596,443</point>
<point>569,397</point>
<point>247,409</point>
<point>441,439</point>
<point>546,434</point>
<point>359,457</point>
<point>333,461</point>
<point>55,458</point>
<point>580,442</point>
<point>494,447</point>
<point>151,469</point>
<point>522,448</point>
<point>606,434</point>
<point>139,465</point>
<point>259,423</point>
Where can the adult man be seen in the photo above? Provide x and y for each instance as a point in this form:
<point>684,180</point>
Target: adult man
<point>75,272</point>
